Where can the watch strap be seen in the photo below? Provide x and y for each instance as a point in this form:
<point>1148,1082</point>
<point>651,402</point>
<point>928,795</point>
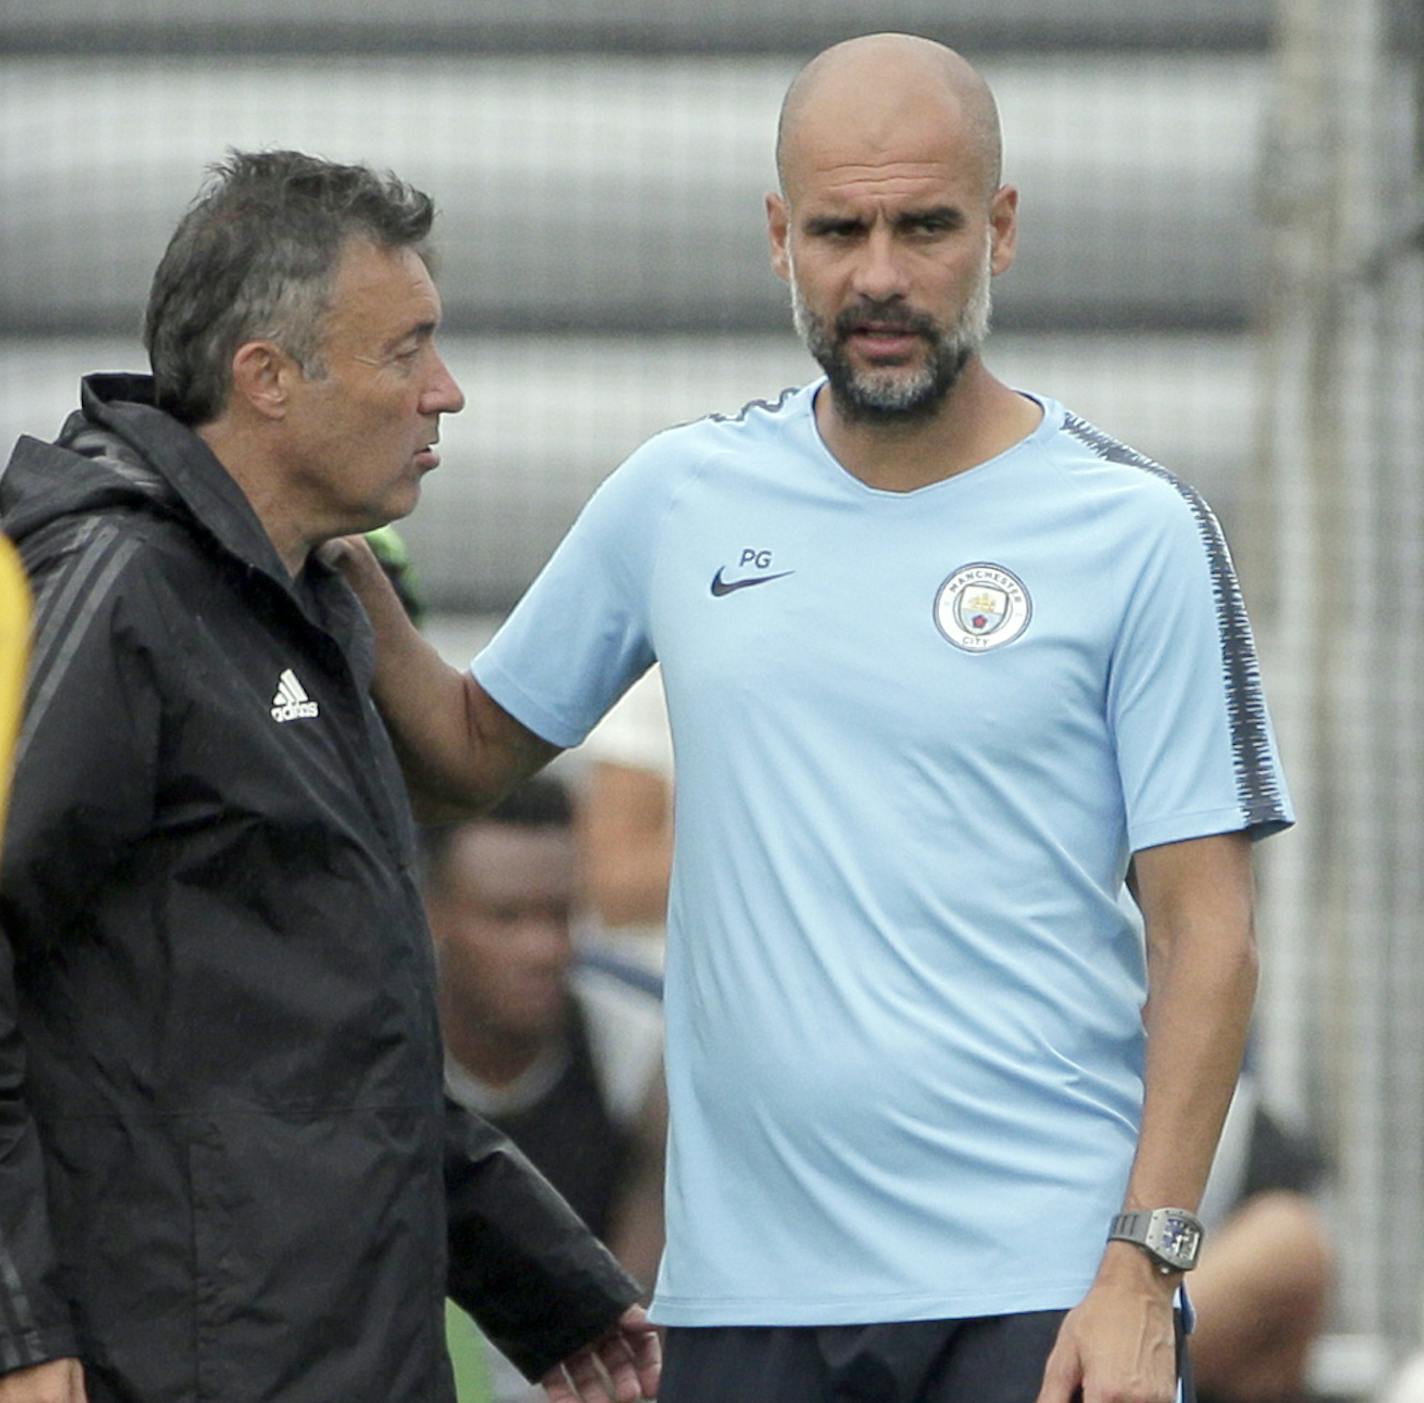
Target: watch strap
<point>1144,1229</point>
<point>1131,1227</point>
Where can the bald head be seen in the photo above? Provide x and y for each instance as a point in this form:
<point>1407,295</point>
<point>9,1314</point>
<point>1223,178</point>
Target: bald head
<point>874,89</point>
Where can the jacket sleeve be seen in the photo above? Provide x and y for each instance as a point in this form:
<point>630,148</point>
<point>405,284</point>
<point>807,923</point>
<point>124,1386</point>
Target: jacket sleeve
<point>540,1285</point>
<point>80,796</point>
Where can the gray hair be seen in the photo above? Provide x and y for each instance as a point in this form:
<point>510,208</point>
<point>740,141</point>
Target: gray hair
<point>254,259</point>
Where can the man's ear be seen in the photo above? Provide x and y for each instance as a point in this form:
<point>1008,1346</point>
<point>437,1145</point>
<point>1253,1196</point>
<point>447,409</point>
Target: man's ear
<point>777,232</point>
<point>1003,228</point>
<point>262,377</point>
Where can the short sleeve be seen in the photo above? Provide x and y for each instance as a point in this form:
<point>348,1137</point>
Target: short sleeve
<point>1195,749</point>
<point>580,635</point>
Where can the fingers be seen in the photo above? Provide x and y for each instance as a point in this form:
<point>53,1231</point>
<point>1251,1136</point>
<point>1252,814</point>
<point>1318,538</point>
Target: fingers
<point>648,1362</point>
<point>557,1386</point>
<point>1062,1375</point>
<point>576,1380</point>
<point>1098,1363</point>
<point>641,1346</point>
<point>57,1381</point>
<point>623,1367</point>
<point>586,1377</point>
<point>628,1373</point>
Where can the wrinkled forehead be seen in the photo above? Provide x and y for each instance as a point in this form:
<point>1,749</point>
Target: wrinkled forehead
<point>884,149</point>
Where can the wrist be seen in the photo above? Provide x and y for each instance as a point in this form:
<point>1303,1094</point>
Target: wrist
<point>1171,1238</point>
<point>1125,1265</point>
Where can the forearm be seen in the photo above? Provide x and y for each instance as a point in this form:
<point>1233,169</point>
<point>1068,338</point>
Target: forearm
<point>422,700</point>
<point>459,750</point>
<point>521,1262</point>
<point>1202,984</point>
<point>1196,1034</point>
<point>1196,897</point>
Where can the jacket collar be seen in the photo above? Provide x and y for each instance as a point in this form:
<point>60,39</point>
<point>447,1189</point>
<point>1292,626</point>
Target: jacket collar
<point>124,405</point>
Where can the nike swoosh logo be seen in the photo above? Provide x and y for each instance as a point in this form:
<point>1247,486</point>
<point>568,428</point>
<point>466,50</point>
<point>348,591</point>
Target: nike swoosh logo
<point>721,586</point>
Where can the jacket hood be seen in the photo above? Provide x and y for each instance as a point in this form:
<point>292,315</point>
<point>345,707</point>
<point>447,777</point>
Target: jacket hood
<point>118,449</point>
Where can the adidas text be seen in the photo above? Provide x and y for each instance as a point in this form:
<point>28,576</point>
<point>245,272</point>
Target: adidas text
<point>291,702</point>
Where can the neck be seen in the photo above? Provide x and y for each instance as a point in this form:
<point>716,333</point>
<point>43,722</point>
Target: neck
<point>260,485</point>
<point>979,419</point>
<point>497,1059</point>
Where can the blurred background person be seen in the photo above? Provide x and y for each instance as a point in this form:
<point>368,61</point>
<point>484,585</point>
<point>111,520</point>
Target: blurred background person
<point>1262,1289</point>
<point>623,826</point>
<point>564,1058</point>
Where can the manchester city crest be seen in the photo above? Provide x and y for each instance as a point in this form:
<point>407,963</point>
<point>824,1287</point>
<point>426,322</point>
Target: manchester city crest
<point>982,606</point>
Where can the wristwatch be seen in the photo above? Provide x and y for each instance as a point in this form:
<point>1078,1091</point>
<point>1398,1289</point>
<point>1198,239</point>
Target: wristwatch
<point>1172,1237</point>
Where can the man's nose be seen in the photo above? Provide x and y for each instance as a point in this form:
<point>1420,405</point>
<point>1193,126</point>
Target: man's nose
<point>879,271</point>
<point>443,395</point>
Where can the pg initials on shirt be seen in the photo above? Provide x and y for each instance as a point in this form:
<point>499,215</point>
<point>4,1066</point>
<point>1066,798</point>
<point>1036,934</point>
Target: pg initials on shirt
<point>760,558</point>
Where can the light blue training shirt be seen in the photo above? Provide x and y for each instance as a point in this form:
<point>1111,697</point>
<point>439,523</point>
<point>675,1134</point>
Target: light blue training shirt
<point>918,737</point>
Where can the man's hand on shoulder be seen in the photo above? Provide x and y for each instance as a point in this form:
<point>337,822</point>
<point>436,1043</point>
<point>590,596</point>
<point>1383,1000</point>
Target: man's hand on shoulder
<point>352,557</point>
<point>1119,1344</point>
<point>58,1381</point>
<point>627,1360</point>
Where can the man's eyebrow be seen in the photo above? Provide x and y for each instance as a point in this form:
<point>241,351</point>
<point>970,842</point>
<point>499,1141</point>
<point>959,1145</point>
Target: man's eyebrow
<point>950,215</point>
<point>422,331</point>
<point>833,223</point>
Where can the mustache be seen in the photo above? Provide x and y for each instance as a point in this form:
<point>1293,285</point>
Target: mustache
<point>895,315</point>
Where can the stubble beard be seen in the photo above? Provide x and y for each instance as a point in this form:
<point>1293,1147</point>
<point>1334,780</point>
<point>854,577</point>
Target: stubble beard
<point>896,394</point>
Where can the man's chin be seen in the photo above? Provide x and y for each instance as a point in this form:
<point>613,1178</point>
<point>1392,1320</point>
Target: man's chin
<point>887,401</point>
<point>906,396</point>
<point>400,503</point>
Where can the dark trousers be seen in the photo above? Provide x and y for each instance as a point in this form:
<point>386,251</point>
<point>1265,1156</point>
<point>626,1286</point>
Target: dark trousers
<point>991,1359</point>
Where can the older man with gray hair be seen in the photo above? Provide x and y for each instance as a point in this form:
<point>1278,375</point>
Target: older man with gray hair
<point>227,1166</point>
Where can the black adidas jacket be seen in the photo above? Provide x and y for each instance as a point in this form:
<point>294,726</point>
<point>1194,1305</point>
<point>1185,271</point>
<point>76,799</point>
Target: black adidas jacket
<point>225,1155</point>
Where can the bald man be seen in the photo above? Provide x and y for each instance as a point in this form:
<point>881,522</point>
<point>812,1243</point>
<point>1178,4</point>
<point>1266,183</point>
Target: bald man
<point>944,664</point>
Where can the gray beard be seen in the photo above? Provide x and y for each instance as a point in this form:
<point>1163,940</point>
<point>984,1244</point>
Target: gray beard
<point>894,396</point>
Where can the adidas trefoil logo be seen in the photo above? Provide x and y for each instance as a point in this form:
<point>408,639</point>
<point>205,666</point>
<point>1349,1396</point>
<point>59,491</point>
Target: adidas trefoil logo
<point>291,702</point>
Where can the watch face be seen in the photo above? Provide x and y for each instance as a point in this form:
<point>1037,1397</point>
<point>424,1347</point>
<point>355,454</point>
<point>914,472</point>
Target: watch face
<point>1180,1238</point>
